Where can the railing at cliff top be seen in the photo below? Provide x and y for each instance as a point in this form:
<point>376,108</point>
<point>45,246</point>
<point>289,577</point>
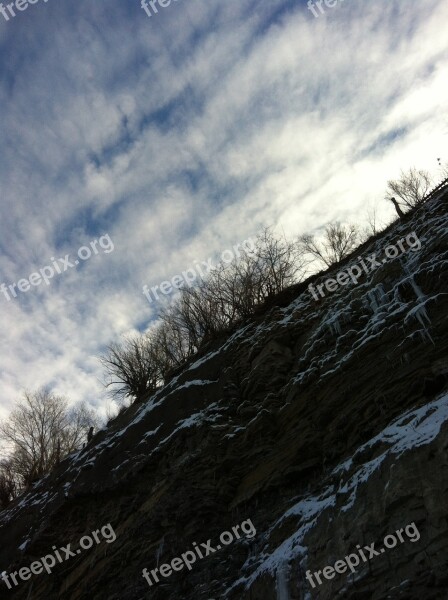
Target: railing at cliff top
<point>440,187</point>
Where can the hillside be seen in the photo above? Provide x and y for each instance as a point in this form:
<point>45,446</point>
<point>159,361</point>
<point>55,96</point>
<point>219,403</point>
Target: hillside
<point>322,422</point>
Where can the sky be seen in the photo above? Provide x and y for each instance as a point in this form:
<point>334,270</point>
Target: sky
<point>165,140</point>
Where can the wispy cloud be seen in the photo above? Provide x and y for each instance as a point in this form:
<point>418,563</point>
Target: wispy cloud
<point>182,137</point>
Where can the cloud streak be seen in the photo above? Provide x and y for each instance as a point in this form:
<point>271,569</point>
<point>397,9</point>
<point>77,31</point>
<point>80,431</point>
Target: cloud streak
<point>185,136</point>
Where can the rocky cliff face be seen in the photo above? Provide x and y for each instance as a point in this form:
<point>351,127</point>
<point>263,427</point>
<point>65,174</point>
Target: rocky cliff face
<point>323,422</point>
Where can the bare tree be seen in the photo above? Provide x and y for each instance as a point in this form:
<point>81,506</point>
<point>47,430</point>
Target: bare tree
<point>230,294</point>
<point>338,241</point>
<point>131,370</point>
<point>373,226</point>
<point>373,223</point>
<point>411,188</point>
<point>179,331</point>
<point>233,291</point>
<point>8,483</point>
<point>198,314</point>
<point>278,261</point>
<point>80,418</point>
<point>40,431</point>
<point>273,264</point>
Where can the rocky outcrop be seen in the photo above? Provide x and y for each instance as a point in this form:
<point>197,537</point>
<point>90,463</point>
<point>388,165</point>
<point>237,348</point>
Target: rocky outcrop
<point>323,422</point>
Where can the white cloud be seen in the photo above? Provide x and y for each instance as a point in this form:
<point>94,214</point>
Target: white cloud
<point>183,134</point>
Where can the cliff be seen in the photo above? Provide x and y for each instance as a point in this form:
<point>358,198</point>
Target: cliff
<point>323,422</point>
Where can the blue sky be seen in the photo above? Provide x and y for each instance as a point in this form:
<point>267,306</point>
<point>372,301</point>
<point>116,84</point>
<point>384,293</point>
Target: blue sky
<point>182,134</point>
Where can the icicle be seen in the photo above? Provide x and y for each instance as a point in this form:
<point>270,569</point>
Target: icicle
<point>336,326</point>
<point>282,581</point>
<point>377,297</point>
<point>397,296</point>
<point>160,550</point>
<point>382,294</point>
<point>332,322</point>
<point>372,301</point>
<point>421,315</point>
<point>417,290</point>
<point>425,335</point>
